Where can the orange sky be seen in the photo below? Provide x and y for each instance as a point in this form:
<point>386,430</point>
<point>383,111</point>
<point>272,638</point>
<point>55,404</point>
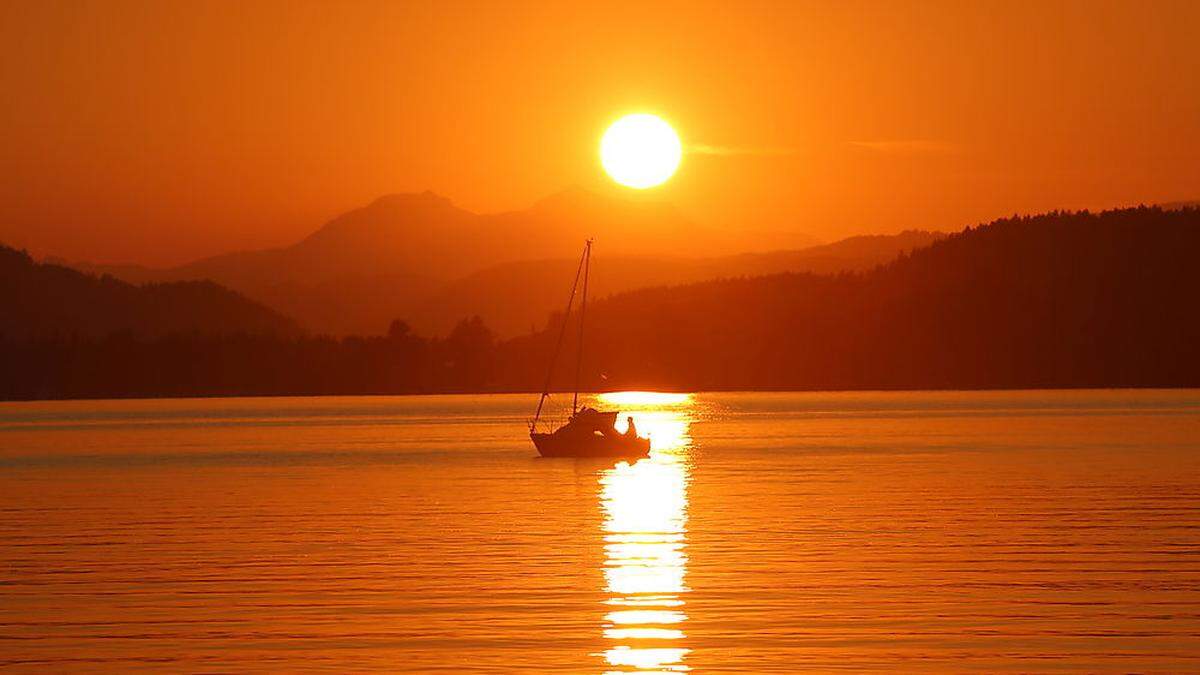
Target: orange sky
<point>163,131</point>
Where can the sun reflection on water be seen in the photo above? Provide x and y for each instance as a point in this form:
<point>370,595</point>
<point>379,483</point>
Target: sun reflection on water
<point>645,398</point>
<point>645,538</point>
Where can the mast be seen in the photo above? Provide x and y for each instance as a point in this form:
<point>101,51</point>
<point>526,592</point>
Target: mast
<point>587,267</point>
<point>561,333</point>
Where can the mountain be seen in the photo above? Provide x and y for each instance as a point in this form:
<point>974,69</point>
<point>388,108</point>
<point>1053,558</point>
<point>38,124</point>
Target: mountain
<point>42,300</point>
<point>385,260</point>
<point>425,236</point>
<point>1056,300</point>
<point>515,298</point>
<point>421,258</point>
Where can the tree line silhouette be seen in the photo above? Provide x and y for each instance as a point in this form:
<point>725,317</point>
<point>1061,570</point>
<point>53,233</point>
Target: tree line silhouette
<point>1064,299</point>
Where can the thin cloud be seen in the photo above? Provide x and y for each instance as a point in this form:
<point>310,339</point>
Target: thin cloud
<point>732,150</point>
<point>916,146</point>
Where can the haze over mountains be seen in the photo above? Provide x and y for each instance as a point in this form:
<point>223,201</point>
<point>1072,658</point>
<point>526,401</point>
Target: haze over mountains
<point>420,258</point>
<point>515,298</point>
<point>1056,300</point>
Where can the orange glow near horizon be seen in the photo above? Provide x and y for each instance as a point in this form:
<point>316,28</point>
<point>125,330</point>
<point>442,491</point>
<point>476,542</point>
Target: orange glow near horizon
<point>128,140</point>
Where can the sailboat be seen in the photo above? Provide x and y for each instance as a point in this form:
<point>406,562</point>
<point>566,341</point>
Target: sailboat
<point>588,432</point>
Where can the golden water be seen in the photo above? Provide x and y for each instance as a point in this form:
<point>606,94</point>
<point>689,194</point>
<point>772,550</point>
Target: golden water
<point>1022,531</point>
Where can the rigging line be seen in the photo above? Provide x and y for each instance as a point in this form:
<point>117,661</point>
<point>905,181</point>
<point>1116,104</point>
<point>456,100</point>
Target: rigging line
<point>558,346</point>
<point>587,268</point>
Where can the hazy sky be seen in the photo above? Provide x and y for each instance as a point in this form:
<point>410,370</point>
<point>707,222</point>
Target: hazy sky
<point>158,132</point>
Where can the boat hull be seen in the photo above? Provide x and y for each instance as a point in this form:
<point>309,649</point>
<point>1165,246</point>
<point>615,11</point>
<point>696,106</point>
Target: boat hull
<point>590,445</point>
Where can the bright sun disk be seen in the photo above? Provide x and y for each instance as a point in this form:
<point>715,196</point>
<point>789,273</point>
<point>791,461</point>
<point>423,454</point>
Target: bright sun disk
<point>640,151</point>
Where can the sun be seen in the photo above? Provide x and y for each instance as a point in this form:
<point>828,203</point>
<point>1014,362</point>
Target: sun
<point>640,151</point>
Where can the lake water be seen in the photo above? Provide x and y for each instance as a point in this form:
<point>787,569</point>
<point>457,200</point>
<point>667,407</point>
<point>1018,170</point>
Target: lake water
<point>1021,531</point>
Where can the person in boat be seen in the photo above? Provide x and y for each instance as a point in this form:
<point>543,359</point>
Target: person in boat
<point>631,432</point>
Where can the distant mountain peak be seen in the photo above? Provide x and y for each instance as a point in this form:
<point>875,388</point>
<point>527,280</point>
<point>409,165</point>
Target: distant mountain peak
<point>411,200</point>
<point>387,217</point>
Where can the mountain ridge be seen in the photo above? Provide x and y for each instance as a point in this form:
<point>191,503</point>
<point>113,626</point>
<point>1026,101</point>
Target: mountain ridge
<point>404,255</point>
<point>1049,301</point>
<point>391,257</point>
<point>1062,299</point>
<point>514,297</point>
<point>46,300</point>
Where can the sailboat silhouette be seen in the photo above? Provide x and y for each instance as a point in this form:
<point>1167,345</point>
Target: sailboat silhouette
<point>588,432</point>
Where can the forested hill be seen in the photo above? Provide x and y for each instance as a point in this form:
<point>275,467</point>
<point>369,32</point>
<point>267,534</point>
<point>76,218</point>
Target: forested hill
<point>1056,300</point>
<point>39,300</point>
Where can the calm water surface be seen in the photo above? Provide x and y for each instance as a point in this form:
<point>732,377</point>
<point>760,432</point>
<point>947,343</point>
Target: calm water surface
<point>1022,531</point>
